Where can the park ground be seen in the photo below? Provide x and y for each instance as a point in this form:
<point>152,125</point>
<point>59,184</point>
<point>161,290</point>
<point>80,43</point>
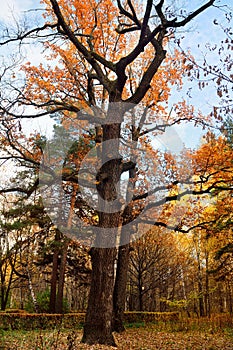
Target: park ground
<point>136,337</point>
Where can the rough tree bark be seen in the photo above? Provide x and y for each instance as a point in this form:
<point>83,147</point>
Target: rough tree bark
<point>98,323</point>
<point>98,326</point>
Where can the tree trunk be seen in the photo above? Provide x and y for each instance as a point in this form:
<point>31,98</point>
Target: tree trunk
<point>5,288</point>
<point>199,274</point>
<point>61,280</point>
<point>53,289</point>
<point>184,290</point>
<point>33,296</point>
<point>119,294</point>
<point>207,288</point>
<point>3,305</point>
<point>229,293</point>
<point>62,269</point>
<point>200,289</point>
<point>98,324</point>
<point>140,296</point>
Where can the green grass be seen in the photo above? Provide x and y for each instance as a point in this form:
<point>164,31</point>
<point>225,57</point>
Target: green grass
<point>135,325</point>
<point>229,332</point>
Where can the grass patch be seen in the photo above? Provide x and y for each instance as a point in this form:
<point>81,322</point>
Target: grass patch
<point>229,332</point>
<point>134,325</point>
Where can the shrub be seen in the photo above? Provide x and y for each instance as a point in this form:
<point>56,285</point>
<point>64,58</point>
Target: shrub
<point>140,316</point>
<point>26,321</point>
<point>10,321</point>
<point>43,299</point>
<point>14,311</point>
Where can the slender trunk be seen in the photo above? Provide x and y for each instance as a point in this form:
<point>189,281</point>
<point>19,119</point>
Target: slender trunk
<point>207,292</point>
<point>7,287</point>
<point>61,280</point>
<point>21,298</point>
<point>184,290</point>
<point>4,304</point>
<point>140,297</point>
<point>6,291</point>
<point>220,298</point>
<point>229,292</point>
<point>53,289</point>
<point>199,276</point>
<point>3,307</point>
<point>6,277</point>
<point>33,296</point>
<point>3,288</point>
<point>140,287</point>
<point>200,292</point>
<point>119,294</point>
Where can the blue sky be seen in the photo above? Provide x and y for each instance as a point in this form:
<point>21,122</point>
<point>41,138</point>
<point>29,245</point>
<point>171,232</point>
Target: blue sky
<point>199,33</point>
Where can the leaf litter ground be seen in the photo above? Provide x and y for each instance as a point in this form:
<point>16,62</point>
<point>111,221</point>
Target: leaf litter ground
<point>144,338</point>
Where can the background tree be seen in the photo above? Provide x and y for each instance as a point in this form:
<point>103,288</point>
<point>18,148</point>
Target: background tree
<point>154,270</point>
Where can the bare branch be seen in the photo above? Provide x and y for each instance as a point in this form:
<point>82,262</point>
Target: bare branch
<point>178,228</point>
<point>25,35</point>
<point>175,24</point>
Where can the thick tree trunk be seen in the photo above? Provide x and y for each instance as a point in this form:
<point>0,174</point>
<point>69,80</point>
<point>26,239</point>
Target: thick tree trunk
<point>98,324</point>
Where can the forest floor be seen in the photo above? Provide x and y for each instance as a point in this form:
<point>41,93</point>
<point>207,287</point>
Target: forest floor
<point>141,337</point>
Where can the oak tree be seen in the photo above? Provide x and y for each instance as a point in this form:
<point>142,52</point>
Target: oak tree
<point>104,58</point>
